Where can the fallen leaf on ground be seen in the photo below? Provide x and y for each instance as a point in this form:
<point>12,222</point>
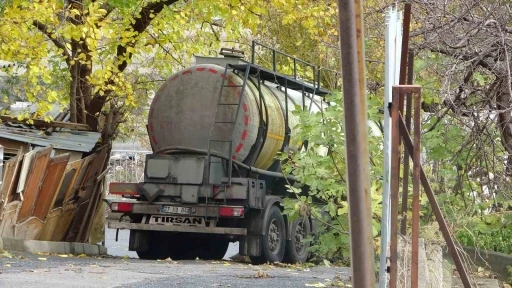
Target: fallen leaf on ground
<point>316,285</point>
<point>42,259</point>
<point>63,255</point>
<point>327,263</point>
<point>261,274</point>
<point>7,265</point>
<point>5,254</point>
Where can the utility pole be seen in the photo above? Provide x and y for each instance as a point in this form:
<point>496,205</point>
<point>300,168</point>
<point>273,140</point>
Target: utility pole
<point>356,142</point>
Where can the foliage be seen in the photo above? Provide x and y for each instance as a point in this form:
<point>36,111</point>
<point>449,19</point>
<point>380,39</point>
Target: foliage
<point>510,274</point>
<point>103,58</point>
<point>490,232</point>
<point>467,131</point>
<point>324,174</point>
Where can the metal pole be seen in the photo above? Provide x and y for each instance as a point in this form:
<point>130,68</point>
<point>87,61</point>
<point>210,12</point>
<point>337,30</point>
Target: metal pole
<point>390,80</point>
<point>395,183</point>
<point>274,64</point>
<point>359,194</point>
<point>294,68</point>
<point>408,114</point>
<point>253,52</point>
<point>416,187</point>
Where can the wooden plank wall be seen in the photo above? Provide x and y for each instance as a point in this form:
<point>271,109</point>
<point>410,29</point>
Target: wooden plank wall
<point>48,198</point>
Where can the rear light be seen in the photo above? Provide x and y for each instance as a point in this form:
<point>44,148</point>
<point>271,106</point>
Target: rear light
<point>231,211</point>
<point>124,189</point>
<point>121,207</point>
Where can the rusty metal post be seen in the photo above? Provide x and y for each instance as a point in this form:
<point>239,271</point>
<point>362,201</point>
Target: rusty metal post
<point>357,157</point>
<point>405,44</point>
<point>408,108</point>
<point>394,183</point>
<point>408,142</point>
<point>416,187</point>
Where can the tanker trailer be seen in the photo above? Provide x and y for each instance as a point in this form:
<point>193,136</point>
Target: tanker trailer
<point>215,129</point>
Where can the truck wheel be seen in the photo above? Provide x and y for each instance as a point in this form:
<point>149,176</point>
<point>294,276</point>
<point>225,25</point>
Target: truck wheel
<point>296,249</point>
<point>213,249</point>
<point>157,249</point>
<point>181,248</point>
<point>274,238</point>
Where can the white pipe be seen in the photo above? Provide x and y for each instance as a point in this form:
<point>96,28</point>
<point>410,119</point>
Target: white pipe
<point>392,54</point>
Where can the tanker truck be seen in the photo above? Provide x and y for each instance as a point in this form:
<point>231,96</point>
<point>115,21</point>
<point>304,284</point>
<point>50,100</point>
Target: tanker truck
<point>215,129</point>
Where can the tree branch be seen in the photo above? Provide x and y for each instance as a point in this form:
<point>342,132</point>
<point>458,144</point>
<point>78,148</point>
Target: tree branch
<point>139,26</point>
<point>44,29</point>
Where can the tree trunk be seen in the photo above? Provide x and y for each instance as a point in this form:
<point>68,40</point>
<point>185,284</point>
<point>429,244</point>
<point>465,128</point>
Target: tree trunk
<point>505,120</point>
<point>72,93</point>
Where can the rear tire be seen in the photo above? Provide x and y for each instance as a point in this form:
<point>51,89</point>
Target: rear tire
<point>157,247</point>
<point>296,249</point>
<point>213,249</point>
<point>203,248</point>
<point>274,238</point>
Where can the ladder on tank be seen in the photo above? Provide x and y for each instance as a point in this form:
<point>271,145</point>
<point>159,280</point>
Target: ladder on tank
<point>226,83</point>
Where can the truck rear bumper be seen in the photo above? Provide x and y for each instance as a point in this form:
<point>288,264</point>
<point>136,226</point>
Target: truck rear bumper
<point>171,228</point>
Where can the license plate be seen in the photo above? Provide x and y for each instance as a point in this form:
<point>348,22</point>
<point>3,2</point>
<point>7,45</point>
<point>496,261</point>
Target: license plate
<point>176,220</point>
<point>176,210</point>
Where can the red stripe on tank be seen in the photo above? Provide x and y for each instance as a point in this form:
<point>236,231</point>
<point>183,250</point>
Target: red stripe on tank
<point>245,107</point>
<point>211,70</point>
<point>233,157</point>
<point>151,126</point>
<point>200,69</point>
<point>244,134</point>
<point>186,72</point>
<point>224,76</point>
<point>246,120</point>
<point>154,139</point>
<point>232,84</point>
<point>239,147</point>
<point>175,77</point>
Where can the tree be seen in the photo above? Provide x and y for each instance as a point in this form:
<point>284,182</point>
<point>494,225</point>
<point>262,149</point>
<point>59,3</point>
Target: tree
<point>82,54</point>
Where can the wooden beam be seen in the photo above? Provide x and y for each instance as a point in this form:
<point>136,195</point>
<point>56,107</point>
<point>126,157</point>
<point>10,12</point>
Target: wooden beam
<point>42,123</point>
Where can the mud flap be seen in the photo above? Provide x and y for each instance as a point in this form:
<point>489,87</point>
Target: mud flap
<point>139,240</point>
<point>250,245</point>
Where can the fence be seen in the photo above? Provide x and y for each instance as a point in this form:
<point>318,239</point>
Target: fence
<point>126,166</point>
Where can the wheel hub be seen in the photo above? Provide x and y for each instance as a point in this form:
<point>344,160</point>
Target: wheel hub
<point>274,239</point>
<point>299,236</point>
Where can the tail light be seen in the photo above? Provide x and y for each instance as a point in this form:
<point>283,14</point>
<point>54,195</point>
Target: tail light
<point>121,207</point>
<point>231,211</point>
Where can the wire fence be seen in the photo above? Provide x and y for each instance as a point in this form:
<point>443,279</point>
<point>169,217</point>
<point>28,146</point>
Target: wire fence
<point>126,166</point>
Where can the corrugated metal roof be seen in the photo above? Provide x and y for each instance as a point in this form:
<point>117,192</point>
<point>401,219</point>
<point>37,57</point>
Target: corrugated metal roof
<point>81,141</point>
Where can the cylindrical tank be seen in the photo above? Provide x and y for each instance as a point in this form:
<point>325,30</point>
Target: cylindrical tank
<point>183,112</point>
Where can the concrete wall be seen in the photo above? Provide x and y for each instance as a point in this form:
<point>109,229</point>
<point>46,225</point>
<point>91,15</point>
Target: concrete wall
<point>498,262</point>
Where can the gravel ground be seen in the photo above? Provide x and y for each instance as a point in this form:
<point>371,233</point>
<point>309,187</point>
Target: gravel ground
<point>49,271</point>
<point>123,269</point>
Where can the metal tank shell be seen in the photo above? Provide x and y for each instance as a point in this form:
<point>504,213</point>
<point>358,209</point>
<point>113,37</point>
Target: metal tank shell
<point>184,108</point>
